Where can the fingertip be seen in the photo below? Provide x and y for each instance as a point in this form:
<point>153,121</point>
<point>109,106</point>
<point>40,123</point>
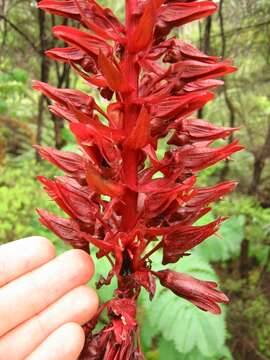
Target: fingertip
<point>75,333</point>
<point>89,302</point>
<point>44,245</point>
<point>82,262</point>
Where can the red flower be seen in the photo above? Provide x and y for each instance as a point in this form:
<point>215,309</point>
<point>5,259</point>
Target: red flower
<point>203,294</point>
<point>118,194</point>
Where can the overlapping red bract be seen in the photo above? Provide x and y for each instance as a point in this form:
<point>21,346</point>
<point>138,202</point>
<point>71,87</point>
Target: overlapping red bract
<point>157,84</point>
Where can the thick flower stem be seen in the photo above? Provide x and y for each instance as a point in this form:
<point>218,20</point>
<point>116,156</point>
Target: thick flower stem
<point>131,111</point>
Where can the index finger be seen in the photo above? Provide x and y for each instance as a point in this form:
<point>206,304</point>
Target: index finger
<point>21,256</point>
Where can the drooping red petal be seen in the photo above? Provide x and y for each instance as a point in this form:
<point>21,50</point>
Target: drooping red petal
<point>74,55</point>
<point>91,44</point>
<point>202,156</point>
<point>207,195</point>
<point>200,85</point>
<point>179,106</point>
<point>70,162</point>
<point>93,127</point>
<point>100,20</point>
<point>192,70</point>
<point>75,201</point>
<point>65,8</point>
<point>66,229</point>
<point>178,13</point>
<point>194,130</point>
<point>67,97</point>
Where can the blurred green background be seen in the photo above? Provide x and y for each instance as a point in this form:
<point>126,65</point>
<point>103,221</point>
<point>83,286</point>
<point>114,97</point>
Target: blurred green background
<point>171,328</point>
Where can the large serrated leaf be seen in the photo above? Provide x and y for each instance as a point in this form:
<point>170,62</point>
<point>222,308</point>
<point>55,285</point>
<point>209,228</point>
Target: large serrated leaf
<point>168,351</point>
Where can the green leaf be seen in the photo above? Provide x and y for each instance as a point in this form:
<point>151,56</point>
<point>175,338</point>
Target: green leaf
<point>20,75</point>
<point>3,106</point>
<point>168,351</point>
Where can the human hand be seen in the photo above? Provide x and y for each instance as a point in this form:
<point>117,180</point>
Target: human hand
<point>43,301</point>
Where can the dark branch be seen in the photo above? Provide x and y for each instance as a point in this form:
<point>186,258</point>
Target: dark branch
<point>26,38</point>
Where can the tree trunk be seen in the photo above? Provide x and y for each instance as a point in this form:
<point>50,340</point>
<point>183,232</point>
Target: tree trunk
<point>244,260</point>
<point>63,76</point>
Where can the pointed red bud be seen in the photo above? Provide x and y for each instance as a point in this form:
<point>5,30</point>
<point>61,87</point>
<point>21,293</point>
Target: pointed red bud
<point>203,294</point>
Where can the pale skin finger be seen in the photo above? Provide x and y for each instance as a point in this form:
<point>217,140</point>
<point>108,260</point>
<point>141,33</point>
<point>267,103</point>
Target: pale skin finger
<point>78,306</point>
<point>21,256</point>
<point>66,343</point>
<point>30,294</point>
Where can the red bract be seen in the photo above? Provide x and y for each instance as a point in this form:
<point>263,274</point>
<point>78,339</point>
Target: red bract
<point>117,193</point>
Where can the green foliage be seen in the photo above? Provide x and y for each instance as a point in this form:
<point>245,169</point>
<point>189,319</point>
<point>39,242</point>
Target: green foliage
<point>20,194</point>
<point>167,351</point>
<point>257,223</point>
<point>15,95</point>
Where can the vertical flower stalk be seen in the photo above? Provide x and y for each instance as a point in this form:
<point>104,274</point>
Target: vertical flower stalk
<point>119,196</point>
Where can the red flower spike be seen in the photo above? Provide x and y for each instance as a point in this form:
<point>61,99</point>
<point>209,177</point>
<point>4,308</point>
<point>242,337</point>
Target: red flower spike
<point>203,294</point>
<point>110,192</point>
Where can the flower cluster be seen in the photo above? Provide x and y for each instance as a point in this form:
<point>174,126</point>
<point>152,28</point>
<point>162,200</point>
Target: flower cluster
<point>118,194</point>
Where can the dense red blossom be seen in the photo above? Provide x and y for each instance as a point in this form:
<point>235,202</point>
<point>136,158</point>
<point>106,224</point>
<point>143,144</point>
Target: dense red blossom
<point>118,194</point>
